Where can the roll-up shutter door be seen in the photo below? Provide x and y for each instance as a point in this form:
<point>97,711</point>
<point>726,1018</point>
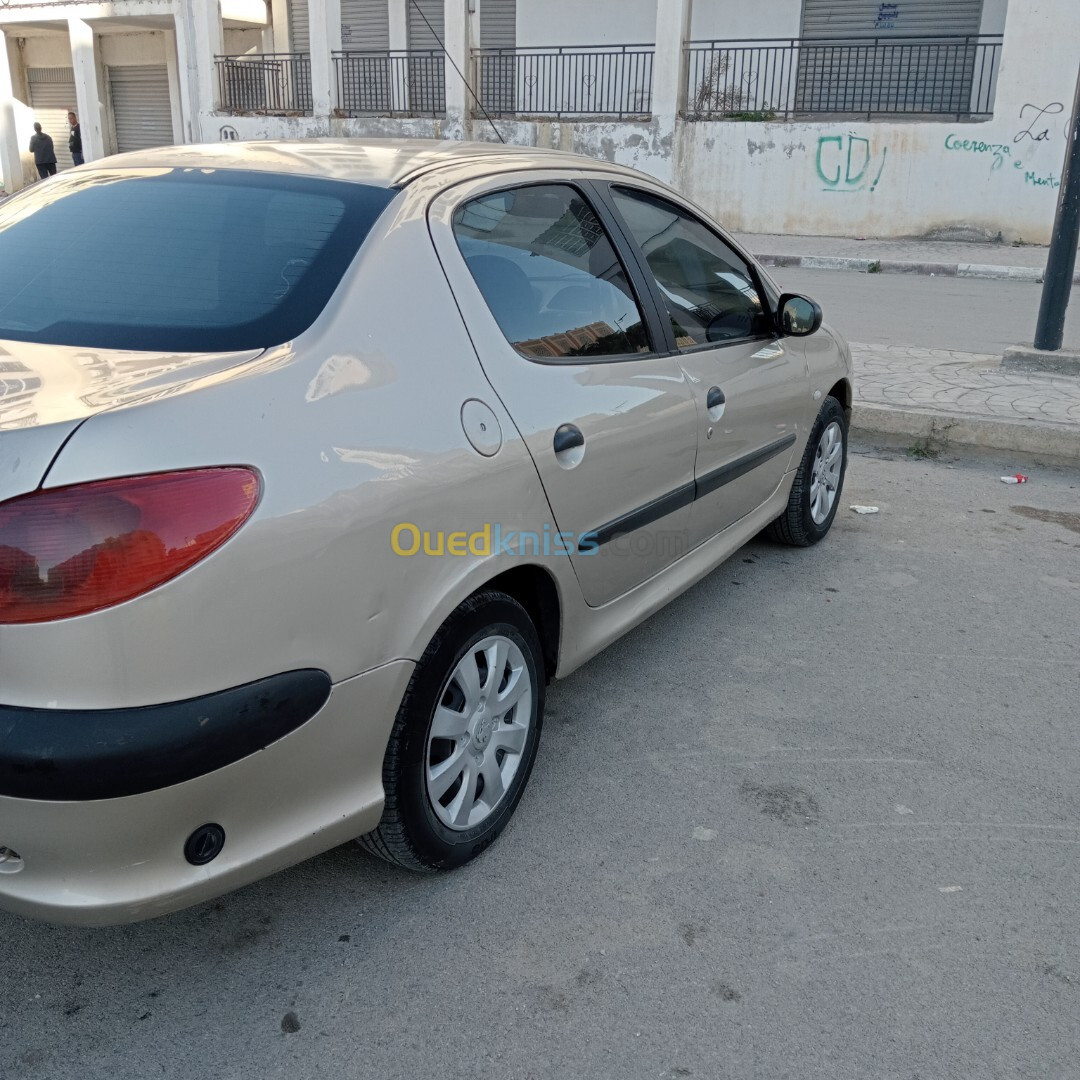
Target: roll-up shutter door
<point>426,77</point>
<point>870,18</point>
<point>299,37</point>
<point>52,94</point>
<point>498,24</point>
<point>420,36</point>
<point>858,56</point>
<point>365,24</point>
<point>142,114</point>
<point>498,30</point>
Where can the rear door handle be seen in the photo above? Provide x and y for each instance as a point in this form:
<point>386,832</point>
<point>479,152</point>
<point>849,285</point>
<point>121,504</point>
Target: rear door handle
<point>567,438</point>
<point>569,445</point>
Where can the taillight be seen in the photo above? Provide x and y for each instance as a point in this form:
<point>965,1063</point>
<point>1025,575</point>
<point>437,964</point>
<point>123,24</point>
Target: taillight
<point>73,550</point>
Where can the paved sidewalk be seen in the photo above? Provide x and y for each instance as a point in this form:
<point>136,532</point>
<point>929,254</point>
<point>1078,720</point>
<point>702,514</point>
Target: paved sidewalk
<point>941,257</point>
<point>964,398</point>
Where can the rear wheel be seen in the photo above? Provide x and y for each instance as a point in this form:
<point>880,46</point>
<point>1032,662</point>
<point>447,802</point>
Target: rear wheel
<point>465,737</point>
<point>815,494</point>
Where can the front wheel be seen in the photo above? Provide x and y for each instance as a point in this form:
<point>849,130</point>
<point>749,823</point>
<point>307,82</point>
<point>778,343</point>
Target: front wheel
<point>465,737</point>
<point>815,494</point>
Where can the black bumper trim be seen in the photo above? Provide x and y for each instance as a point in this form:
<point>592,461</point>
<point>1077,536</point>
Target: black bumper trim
<point>62,755</point>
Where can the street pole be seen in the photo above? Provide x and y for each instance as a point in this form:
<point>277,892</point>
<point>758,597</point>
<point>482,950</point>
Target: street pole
<point>1061,261</point>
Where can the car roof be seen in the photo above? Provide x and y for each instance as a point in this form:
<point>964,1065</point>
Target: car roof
<point>380,162</point>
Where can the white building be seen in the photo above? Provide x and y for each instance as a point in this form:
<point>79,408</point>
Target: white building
<point>854,117</point>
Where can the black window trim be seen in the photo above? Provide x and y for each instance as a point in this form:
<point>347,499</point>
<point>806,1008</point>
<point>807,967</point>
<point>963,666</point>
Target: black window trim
<point>603,190</point>
<point>627,256</point>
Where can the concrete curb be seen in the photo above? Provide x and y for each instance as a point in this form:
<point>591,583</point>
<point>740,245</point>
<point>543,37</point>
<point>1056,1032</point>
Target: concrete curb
<point>1027,359</point>
<point>990,271</point>
<point>1060,441</point>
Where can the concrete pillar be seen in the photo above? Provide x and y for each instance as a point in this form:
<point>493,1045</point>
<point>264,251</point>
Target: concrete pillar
<point>669,63</point>
<point>279,24</point>
<point>1048,31</point>
<point>185,82</point>
<point>87,97</point>
<point>175,82</point>
<point>11,171</point>
<point>398,41</point>
<point>198,47</point>
<point>399,24</point>
<point>324,23</point>
<point>459,52</point>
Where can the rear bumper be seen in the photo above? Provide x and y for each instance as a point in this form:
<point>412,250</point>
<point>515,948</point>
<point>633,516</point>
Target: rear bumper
<point>81,754</point>
<point>102,860</point>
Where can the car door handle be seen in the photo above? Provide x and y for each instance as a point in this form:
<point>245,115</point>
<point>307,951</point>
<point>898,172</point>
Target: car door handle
<point>569,444</point>
<point>568,437</point>
<point>715,398</point>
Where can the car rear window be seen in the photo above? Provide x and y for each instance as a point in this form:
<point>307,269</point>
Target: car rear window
<point>177,260</point>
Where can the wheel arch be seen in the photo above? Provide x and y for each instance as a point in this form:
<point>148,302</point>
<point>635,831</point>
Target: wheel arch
<point>536,591</point>
<point>842,392</point>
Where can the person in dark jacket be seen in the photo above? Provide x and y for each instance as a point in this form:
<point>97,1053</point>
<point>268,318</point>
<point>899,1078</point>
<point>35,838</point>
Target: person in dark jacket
<point>75,139</point>
<point>41,146</point>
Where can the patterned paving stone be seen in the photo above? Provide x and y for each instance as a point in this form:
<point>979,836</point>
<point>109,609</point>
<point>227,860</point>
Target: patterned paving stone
<point>971,384</point>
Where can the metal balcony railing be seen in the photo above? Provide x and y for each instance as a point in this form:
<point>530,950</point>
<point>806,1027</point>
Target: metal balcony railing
<point>568,80</point>
<point>384,82</point>
<point>265,82</point>
<point>767,79</point>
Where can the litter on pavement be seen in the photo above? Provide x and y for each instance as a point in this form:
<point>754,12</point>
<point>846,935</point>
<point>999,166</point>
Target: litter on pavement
<point>866,509</point>
<point>1018,478</point>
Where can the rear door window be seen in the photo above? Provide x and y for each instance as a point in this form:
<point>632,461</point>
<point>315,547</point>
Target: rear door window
<point>180,260</point>
<point>550,274</point>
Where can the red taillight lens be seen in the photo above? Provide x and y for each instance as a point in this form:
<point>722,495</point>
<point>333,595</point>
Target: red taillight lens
<point>73,550</point>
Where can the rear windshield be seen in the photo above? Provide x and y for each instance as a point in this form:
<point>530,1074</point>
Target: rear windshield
<point>178,260</point>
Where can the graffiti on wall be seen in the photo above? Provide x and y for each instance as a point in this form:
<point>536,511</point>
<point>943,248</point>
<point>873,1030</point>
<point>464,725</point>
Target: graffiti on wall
<point>847,163</point>
<point>1043,133</point>
<point>999,151</point>
<point>886,16</point>
<point>1025,146</point>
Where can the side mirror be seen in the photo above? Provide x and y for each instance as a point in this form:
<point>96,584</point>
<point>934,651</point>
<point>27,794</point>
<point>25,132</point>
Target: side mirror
<point>798,316</point>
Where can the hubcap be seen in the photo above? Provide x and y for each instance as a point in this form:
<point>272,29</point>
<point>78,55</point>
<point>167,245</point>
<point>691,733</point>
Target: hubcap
<point>825,477</point>
<point>478,733</point>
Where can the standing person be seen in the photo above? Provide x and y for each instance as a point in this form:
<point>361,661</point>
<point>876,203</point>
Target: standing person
<point>75,139</point>
<point>41,146</point>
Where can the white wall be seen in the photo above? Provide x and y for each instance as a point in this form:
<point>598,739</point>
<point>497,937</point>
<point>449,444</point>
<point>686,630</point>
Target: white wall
<point>585,22</point>
<point>993,18</point>
<point>238,42</point>
<point>46,50</point>
<point>130,50</point>
<point>715,20</point>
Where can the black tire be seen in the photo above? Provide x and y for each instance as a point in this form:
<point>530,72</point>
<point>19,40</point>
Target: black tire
<point>796,525</point>
<point>410,834</point>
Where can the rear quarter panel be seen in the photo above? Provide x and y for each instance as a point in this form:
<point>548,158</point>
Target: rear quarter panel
<point>354,427</point>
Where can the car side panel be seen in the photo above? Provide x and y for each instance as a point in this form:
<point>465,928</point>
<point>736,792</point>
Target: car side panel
<point>354,428</point>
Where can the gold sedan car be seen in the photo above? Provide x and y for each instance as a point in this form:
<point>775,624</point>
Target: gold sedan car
<point>318,460</point>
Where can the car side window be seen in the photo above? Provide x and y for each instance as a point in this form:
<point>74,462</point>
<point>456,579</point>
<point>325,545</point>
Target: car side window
<point>549,273</point>
<point>708,289</point>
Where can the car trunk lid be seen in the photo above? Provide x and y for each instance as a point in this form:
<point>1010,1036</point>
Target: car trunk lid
<point>47,391</point>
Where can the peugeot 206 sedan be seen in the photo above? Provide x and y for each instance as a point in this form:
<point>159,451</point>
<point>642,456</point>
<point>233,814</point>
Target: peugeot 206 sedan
<point>319,460</point>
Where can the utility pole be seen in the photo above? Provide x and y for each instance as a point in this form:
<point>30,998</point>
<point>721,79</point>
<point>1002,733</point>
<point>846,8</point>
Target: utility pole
<point>1061,261</point>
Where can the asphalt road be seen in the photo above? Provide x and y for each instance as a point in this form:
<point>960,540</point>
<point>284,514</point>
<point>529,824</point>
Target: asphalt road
<point>968,314</point>
<point>819,818</point>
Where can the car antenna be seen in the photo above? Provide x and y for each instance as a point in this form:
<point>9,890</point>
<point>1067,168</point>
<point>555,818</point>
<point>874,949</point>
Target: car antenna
<point>487,115</point>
